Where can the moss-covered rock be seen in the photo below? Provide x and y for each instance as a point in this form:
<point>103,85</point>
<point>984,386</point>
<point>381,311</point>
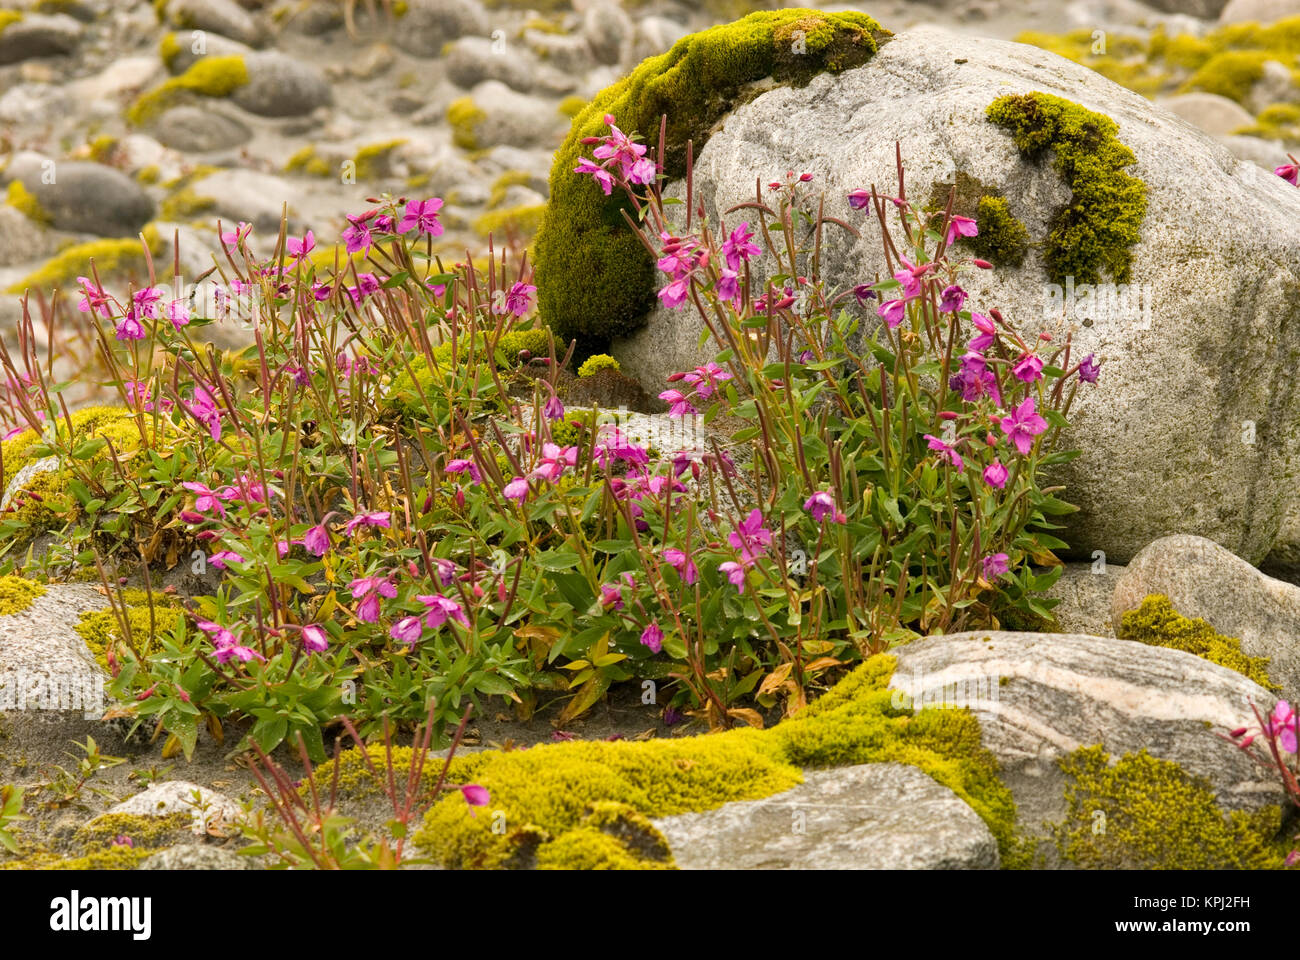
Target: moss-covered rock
<point>17,593</point>
<point>558,794</point>
<point>596,363</point>
<point>25,202</point>
<point>1003,239</point>
<point>1148,814</point>
<point>374,160</point>
<point>464,116</point>
<point>113,258</point>
<point>210,77</point>
<point>1091,237</point>
<point>1158,624</point>
<point>102,631</point>
<point>594,277</point>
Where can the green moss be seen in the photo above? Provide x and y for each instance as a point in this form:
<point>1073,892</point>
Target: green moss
<point>308,161</point>
<point>464,116</point>
<point>1149,814</point>
<point>1092,235</point>
<point>17,593</point>
<point>94,847</point>
<point>522,221</point>
<point>115,423</point>
<point>372,161</point>
<point>25,202</point>
<point>209,77</point>
<point>102,631</point>
<point>572,105</point>
<point>594,278</point>
<point>1003,239</point>
<point>149,175</point>
<point>169,48</point>
<point>597,362</point>
<point>185,204</point>
<point>112,257</point>
<point>554,794</point>
<point>1281,121</point>
<point>1157,624</point>
<point>1230,74</point>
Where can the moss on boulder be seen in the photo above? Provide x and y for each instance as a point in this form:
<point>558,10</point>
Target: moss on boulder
<point>594,278</point>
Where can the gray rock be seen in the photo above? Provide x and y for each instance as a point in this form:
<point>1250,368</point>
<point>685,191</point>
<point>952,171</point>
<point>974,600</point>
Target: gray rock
<point>33,103</point>
<point>90,198</point>
<point>39,35</point>
<point>1267,154</point>
<point>218,16</point>
<point>209,809</point>
<point>514,118</point>
<point>196,130</point>
<point>1202,579</point>
<point>1039,696</point>
<point>316,18</point>
<point>568,53</point>
<point>1212,113</point>
<point>247,195</point>
<point>1275,85</point>
<point>280,86</point>
<point>609,31</point>
<point>655,35</point>
<point>196,856</point>
<point>1085,591</point>
<point>1246,11</point>
<point>875,816</point>
<point>471,60</point>
<point>428,24</point>
<point>23,240</point>
<point>1216,461</point>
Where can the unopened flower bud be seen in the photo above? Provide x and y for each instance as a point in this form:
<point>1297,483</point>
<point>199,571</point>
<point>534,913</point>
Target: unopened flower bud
<point>983,264</point>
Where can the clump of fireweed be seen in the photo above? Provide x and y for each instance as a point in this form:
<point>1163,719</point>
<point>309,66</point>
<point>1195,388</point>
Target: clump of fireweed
<point>905,463</point>
<point>376,481</point>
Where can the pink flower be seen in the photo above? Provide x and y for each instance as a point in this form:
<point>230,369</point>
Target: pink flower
<point>859,198</point>
<point>680,404</point>
<point>422,216</point>
<point>178,312</point>
<point>674,295</point>
<point>300,248</point>
<point>1028,368</point>
<point>1023,425</point>
<point>600,174</point>
<point>995,564</point>
<point>618,146</point>
<point>129,328</point>
<point>740,246</point>
<point>442,609</point>
<point>735,572</point>
<point>643,171</point>
<point>465,466</point>
<point>706,378</point>
<point>893,312</point>
<point>611,595</point>
<point>995,475</point>
<point>219,560</point>
<point>205,410</point>
<point>475,796</point>
<point>516,489</point>
<point>553,461</point>
<point>356,236</point>
<point>961,226</point>
<point>1283,724</point>
<point>822,505</point>
<point>1089,369</point>
<point>750,537</point>
<point>407,630</point>
<point>317,540</point>
<point>373,519</point>
<point>93,298</point>
<point>653,637</point>
<point>238,234</point>
<point>952,300</point>
<point>1288,172</point>
<point>314,638</point>
<point>518,299</point>
<point>368,590</point>
<point>946,452</point>
<point>208,500</point>
<point>728,286</point>
<point>683,564</point>
<point>554,409</point>
<point>987,332</point>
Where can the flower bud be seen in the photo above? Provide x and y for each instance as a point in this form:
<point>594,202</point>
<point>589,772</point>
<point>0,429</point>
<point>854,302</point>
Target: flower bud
<point>983,264</point>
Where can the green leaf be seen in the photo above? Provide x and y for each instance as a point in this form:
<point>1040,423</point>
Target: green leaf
<point>88,449</point>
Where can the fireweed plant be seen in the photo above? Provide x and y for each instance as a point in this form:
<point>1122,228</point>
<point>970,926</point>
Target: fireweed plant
<point>404,519</point>
<point>1272,743</point>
